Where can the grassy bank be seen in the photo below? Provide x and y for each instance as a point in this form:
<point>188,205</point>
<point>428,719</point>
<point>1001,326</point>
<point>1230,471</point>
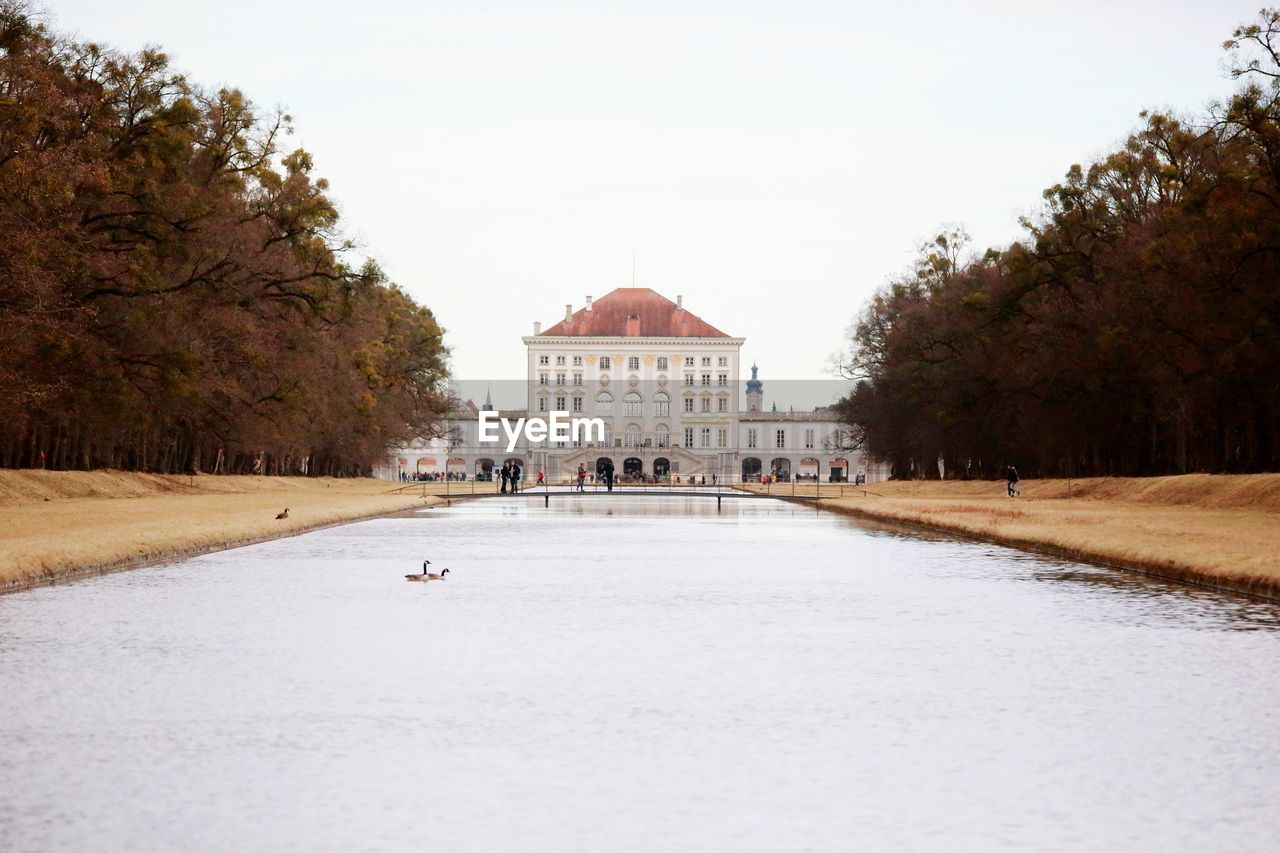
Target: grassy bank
<point>56,525</point>
<point>1219,531</point>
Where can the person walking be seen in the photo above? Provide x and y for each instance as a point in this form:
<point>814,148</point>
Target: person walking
<point>1011,477</point>
<point>515,477</point>
<point>540,479</point>
<point>608,475</point>
<point>506,476</point>
<point>582,478</point>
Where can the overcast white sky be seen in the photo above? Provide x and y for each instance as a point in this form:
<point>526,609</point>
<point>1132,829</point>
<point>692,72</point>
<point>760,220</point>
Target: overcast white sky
<point>772,162</point>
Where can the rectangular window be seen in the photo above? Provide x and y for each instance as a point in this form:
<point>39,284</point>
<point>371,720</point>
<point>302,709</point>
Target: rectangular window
<point>577,404</point>
<point>542,379</point>
<point>633,362</point>
<point>688,379</point>
<point>688,404</point>
<point>606,363</point>
<point>751,438</point>
<point>722,379</point>
<point>544,359</point>
<point>688,436</point>
<point>722,437</point>
<point>723,361</point>
<point>577,361</point>
<point>688,361</point>
<point>722,405</point>
<point>662,362</point>
<point>577,379</point>
<point>706,404</point>
<point>542,404</point>
<point>705,437</point>
<point>781,438</point>
<point>559,378</point>
<point>560,360</point>
<point>706,361</point>
<point>560,401</point>
<point>808,438</point>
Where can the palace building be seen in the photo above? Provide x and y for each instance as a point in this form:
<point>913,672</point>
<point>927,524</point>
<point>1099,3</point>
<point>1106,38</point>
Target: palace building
<point>665,384</point>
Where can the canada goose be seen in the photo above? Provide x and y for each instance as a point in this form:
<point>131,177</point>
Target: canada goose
<point>284,514</point>
<point>426,575</point>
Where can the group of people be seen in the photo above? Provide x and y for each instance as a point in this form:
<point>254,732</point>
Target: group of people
<point>604,476</point>
<point>510,474</point>
<point>432,476</point>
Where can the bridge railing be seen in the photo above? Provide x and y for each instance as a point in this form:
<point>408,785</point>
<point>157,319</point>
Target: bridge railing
<point>802,489</point>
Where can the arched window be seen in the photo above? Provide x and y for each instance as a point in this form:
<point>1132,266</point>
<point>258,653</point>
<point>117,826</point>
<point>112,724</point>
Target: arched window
<point>632,437</point>
<point>663,435</point>
<point>632,404</point>
<point>661,405</point>
<point>604,404</point>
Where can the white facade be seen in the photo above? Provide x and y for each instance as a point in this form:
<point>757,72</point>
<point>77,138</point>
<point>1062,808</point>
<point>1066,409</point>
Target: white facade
<point>668,404</point>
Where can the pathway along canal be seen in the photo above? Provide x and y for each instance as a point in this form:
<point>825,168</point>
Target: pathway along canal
<point>636,674</point>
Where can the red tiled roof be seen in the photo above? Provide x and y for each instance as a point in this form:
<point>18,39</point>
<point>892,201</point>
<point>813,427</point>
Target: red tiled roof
<point>633,312</point>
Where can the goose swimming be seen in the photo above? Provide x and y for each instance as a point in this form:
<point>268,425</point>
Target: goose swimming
<point>426,575</point>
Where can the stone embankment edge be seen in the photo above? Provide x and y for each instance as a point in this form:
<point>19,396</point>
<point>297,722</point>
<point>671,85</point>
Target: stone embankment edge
<point>170,555</point>
<point>1260,589</point>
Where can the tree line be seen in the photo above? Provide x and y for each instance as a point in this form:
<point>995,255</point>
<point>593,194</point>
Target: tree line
<point>175,292</point>
<point>1134,330</point>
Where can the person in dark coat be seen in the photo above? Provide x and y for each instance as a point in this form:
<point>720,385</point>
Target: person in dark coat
<point>506,476</point>
<point>1011,477</point>
<point>515,477</point>
<point>608,475</point>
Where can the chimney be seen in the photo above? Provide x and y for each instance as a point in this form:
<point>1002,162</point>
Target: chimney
<point>588,302</point>
<point>537,327</point>
<point>568,313</point>
<point>679,303</point>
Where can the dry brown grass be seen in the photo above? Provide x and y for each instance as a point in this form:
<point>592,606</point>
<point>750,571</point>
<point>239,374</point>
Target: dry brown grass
<point>1209,491</point>
<point>1222,531</point>
<point>60,524</point>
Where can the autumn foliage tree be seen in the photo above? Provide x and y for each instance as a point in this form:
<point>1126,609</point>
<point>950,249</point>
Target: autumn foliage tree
<point>1134,330</point>
<point>174,294</point>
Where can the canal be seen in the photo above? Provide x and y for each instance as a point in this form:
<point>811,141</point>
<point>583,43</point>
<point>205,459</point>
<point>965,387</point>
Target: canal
<point>636,674</point>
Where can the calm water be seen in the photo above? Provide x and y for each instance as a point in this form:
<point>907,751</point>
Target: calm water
<point>636,674</point>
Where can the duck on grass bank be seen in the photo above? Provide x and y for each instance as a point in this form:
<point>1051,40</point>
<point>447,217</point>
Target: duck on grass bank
<point>284,514</point>
<point>426,575</point>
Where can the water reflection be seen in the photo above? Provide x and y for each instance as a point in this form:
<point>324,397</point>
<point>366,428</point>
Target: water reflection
<point>635,674</point>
